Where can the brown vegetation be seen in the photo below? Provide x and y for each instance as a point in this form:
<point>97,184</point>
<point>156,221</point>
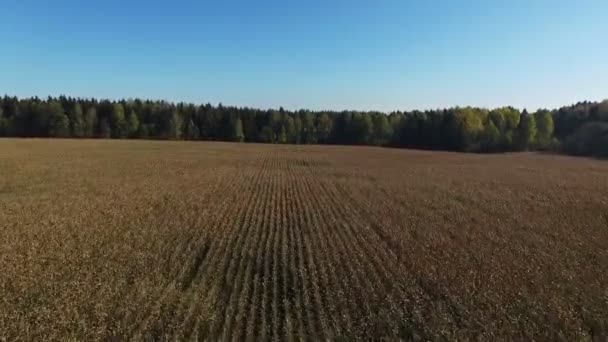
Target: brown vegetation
<point>178,240</point>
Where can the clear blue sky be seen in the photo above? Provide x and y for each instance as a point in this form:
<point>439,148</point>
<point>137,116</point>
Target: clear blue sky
<point>317,54</point>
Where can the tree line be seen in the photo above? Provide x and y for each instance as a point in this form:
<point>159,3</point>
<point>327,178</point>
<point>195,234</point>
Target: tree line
<point>578,129</point>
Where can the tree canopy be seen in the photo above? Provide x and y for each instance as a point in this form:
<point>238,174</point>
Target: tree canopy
<point>457,129</point>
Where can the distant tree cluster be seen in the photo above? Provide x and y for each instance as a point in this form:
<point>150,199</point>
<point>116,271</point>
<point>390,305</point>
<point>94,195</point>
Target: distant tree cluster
<point>582,128</point>
<point>457,129</point>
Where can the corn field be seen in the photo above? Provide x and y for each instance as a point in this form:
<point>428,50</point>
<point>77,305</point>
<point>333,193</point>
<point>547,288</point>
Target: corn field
<point>145,240</point>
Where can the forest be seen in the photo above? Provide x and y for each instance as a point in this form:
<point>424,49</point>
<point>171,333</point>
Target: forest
<point>580,129</point>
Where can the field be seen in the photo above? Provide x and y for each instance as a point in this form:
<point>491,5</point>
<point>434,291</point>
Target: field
<point>201,240</point>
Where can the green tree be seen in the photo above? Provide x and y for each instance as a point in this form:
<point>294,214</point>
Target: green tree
<point>175,125</point>
<point>544,128</point>
<point>144,131</point>
<point>282,137</point>
<point>191,131</point>
<point>104,128</point>
<point>526,132</point>
<point>297,125</point>
<point>591,139</point>
<point>498,118</point>
<point>290,130</point>
<point>465,129</point>
<point>15,121</point>
<point>90,121</point>
<point>490,138</point>
<point>266,134</point>
<point>602,111</point>
<point>58,122</point>
<point>395,120</point>
<point>132,123</point>
<point>77,124</point>
<point>324,127</point>
<point>118,123</point>
<point>4,125</point>
<point>505,118</point>
<point>238,134</point>
<point>34,120</point>
<point>309,134</point>
<point>382,130</point>
<point>274,121</point>
<point>469,123</point>
<point>361,129</point>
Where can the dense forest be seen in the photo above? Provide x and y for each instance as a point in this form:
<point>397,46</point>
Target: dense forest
<point>580,129</point>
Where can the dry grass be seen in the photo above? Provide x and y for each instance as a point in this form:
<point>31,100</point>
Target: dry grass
<point>177,240</point>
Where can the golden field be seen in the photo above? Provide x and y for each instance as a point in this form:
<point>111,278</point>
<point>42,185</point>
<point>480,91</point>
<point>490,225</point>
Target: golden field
<point>140,240</point>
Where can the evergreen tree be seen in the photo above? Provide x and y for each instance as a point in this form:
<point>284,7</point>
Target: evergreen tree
<point>105,131</point>
<point>13,119</point>
<point>35,119</point>
<point>297,125</point>
<point>4,125</point>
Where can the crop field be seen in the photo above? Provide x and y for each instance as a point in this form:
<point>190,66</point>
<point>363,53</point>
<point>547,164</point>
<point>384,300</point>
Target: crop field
<point>103,239</point>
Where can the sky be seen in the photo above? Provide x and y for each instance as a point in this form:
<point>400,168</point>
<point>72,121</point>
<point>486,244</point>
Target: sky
<point>315,54</point>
